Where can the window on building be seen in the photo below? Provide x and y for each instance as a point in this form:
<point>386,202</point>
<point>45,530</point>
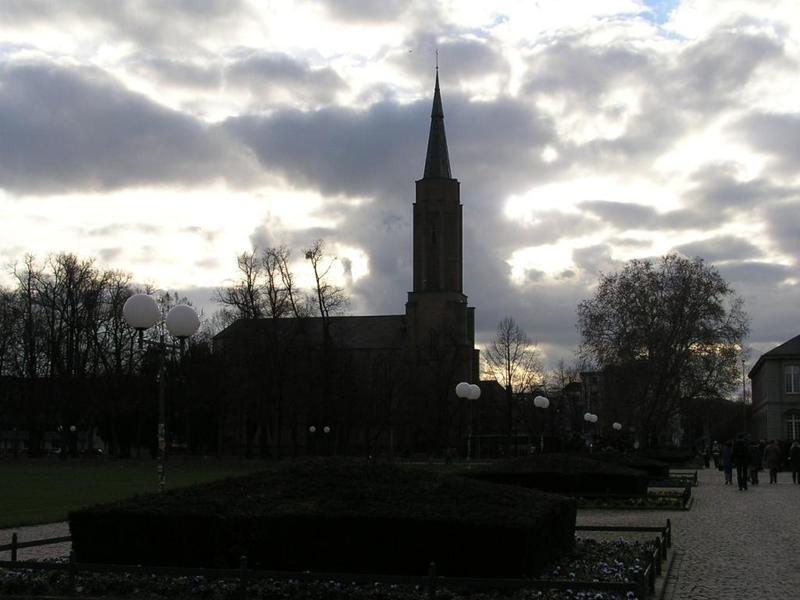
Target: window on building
<point>791,378</point>
<point>793,427</point>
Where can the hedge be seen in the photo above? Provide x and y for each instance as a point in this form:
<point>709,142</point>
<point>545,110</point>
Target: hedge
<point>334,516</point>
<point>654,468</point>
<point>673,456</point>
<point>565,474</point>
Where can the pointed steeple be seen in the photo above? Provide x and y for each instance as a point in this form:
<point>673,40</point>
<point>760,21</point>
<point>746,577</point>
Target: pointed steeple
<point>437,161</point>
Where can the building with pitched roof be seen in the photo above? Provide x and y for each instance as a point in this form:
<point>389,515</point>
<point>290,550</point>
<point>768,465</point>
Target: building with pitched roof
<point>371,383</point>
<point>775,377</point>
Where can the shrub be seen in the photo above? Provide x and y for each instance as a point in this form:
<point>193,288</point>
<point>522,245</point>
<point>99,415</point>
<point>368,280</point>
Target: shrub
<point>334,516</point>
<point>654,468</point>
<point>566,474</point>
<point>672,456</point>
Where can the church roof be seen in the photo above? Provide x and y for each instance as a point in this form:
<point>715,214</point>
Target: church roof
<point>437,161</point>
<point>354,333</point>
<point>790,348</point>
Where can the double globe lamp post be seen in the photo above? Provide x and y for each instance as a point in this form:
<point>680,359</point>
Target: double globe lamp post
<point>591,419</point>
<point>544,404</point>
<point>142,312</point>
<point>468,391</point>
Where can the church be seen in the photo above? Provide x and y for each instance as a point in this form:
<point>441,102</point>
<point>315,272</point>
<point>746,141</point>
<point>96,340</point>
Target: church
<point>368,384</point>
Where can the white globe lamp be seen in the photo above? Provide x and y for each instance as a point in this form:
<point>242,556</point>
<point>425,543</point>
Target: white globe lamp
<point>541,402</point>
<point>141,311</point>
<point>462,390</point>
<point>182,321</point>
<point>474,392</point>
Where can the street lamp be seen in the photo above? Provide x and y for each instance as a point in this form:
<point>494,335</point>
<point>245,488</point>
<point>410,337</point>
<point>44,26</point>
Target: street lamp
<point>590,418</point>
<point>616,426</point>
<point>468,391</point>
<point>744,399</point>
<point>312,429</point>
<point>543,403</point>
<point>141,312</point>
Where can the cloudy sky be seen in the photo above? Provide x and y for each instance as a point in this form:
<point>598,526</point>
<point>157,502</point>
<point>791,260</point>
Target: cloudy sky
<point>163,137</point>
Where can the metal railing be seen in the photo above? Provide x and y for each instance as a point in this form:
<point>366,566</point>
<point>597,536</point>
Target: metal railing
<point>642,586</point>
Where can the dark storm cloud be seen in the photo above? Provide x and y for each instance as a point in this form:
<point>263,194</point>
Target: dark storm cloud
<point>784,228</point>
<point>459,59</point>
<point>145,22</point>
<point>573,69</point>
<point>629,215</point>
<point>76,129</point>
<point>744,274</point>
<point>777,134</point>
<point>595,260</point>
<point>178,73</point>
<point>721,248</point>
<point>672,96</point>
<point>711,73</point>
<point>266,74</point>
<point>377,152</point>
<point>716,188</point>
<point>360,11</point>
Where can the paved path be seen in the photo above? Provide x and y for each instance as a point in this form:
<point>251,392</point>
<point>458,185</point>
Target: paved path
<point>731,545</point>
<point>37,532</point>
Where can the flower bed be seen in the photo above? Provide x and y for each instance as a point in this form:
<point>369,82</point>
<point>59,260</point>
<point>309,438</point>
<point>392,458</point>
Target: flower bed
<point>655,500</point>
<point>599,561</point>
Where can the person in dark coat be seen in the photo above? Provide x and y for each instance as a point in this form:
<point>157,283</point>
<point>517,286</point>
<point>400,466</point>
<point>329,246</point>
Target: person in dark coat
<point>755,462</point>
<point>794,460</point>
<point>740,456</point>
<point>727,462</point>
<point>772,460</point>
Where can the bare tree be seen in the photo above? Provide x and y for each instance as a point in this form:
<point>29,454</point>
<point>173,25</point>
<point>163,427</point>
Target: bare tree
<point>514,361</point>
<point>331,299</point>
<point>245,296</point>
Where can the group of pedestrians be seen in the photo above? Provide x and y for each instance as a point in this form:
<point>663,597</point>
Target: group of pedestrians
<point>750,458</point>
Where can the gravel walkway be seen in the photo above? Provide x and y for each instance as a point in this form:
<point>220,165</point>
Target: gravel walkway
<point>731,545</point>
<point>37,532</point>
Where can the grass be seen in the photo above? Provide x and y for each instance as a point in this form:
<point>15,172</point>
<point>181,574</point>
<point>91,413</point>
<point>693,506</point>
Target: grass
<point>45,490</point>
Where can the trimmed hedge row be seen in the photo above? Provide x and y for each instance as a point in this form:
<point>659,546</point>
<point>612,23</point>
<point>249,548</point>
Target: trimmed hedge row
<point>654,468</point>
<point>565,474</point>
<point>673,456</point>
<point>336,516</point>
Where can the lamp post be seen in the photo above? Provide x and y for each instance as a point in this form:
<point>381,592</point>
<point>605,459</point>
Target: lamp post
<point>617,427</point>
<point>312,429</point>
<point>543,403</point>
<point>141,312</point>
<point>590,418</point>
<point>468,391</point>
<point>744,399</point>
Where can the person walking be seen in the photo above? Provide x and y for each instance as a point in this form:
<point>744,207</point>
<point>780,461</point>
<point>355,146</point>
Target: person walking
<point>755,462</point>
<point>716,452</point>
<point>740,455</point>
<point>772,460</point>
<point>794,460</point>
<point>727,462</point>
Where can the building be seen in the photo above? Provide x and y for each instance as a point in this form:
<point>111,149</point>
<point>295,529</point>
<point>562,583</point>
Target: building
<point>775,411</point>
<point>371,383</point>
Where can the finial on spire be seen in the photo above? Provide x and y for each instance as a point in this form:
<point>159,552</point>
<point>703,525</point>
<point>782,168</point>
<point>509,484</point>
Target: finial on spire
<point>437,61</point>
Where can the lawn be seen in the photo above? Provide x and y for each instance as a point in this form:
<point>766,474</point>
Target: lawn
<point>45,490</point>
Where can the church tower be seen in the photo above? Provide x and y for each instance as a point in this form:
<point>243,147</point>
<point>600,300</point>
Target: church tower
<point>438,319</point>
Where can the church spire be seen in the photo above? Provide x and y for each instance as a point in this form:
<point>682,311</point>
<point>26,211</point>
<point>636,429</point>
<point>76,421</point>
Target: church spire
<point>437,161</point>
